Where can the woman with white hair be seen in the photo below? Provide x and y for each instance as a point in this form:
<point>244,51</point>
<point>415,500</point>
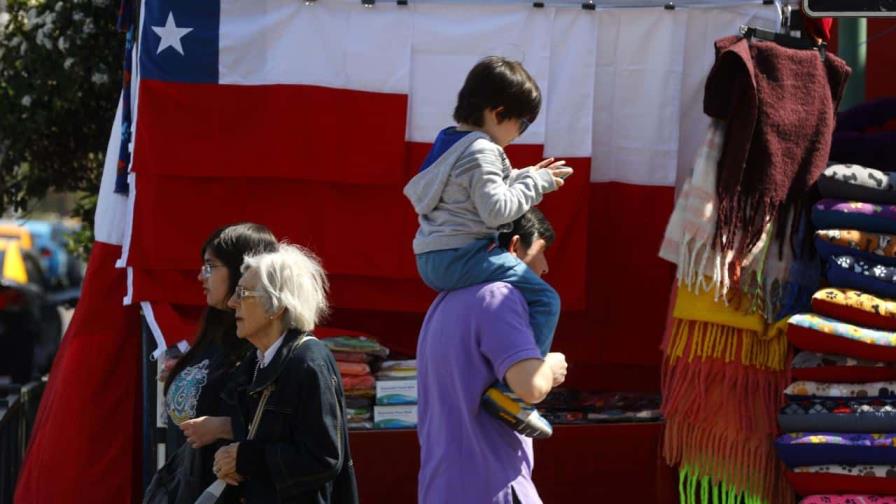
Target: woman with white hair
<point>299,452</point>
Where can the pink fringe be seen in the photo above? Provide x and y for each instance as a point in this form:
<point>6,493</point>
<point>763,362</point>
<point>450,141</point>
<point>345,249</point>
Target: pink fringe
<point>721,413</point>
<point>714,393</point>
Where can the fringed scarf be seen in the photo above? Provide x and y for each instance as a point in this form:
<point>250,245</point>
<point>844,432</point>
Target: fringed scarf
<point>688,242</point>
<point>779,103</point>
<point>688,238</point>
<point>722,378</point>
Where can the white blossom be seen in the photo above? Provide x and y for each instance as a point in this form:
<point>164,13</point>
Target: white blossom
<point>88,26</point>
<point>42,38</point>
<point>26,100</point>
<point>101,3</point>
<point>68,62</point>
<point>99,78</point>
<point>62,44</point>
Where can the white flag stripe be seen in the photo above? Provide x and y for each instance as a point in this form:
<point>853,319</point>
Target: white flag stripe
<point>637,90</point>
<point>154,328</point>
<point>111,208</point>
<point>568,107</point>
<point>334,44</point>
<point>450,39</point>
<point>128,212</point>
<point>648,105</point>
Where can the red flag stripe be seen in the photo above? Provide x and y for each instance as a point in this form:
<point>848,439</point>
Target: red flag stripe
<point>285,131</point>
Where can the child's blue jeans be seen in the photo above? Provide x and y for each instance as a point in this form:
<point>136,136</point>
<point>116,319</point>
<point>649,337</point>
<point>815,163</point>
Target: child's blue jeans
<point>480,262</point>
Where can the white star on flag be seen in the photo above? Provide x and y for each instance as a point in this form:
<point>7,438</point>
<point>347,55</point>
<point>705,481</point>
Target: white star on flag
<point>171,35</point>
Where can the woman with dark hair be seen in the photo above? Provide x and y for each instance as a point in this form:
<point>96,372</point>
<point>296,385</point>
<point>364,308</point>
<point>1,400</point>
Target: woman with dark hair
<point>193,386</point>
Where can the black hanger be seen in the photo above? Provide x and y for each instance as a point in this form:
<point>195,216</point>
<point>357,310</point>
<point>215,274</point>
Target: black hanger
<point>783,39</point>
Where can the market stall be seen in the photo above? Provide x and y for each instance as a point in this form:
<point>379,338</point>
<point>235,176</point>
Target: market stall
<point>310,116</point>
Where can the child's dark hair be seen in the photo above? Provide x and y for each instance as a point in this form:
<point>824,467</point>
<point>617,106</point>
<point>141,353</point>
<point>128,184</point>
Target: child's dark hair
<point>497,82</point>
<point>533,224</point>
<point>228,245</point>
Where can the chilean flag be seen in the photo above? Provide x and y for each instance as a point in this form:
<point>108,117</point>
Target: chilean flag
<point>309,117</point>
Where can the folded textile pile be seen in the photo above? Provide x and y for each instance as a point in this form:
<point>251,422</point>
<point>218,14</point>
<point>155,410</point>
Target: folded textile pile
<point>839,417</point>
<point>357,357</point>
<point>396,395</point>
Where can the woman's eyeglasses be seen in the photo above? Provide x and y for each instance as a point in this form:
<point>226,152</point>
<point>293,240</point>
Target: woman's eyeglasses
<point>206,269</point>
<point>241,292</point>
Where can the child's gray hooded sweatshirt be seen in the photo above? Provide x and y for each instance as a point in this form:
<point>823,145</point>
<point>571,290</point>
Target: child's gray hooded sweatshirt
<point>471,192</point>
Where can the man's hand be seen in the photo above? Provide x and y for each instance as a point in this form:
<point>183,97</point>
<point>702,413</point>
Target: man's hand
<point>206,430</point>
<point>532,379</point>
<point>557,362</point>
<point>225,464</point>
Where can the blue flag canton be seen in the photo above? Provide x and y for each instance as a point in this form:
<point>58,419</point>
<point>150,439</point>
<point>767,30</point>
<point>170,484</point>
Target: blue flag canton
<point>179,41</point>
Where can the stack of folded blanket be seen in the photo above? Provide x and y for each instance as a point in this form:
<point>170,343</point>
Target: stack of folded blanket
<point>357,357</point>
<point>839,418</point>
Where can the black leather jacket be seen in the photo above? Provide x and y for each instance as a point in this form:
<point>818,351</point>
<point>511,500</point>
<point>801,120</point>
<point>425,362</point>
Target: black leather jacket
<point>300,452</point>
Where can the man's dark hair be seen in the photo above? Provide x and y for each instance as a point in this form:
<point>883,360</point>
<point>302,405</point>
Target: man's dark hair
<point>532,225</point>
<point>498,82</point>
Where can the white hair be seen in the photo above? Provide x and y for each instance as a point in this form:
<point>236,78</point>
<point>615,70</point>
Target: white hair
<point>291,279</point>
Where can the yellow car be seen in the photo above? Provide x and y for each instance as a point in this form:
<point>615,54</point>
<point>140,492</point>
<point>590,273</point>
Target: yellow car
<point>14,271</point>
<point>13,231</point>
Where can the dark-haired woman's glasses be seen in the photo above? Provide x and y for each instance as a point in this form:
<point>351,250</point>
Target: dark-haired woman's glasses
<point>206,269</point>
<point>524,125</point>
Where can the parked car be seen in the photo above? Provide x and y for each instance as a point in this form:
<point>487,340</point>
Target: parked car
<point>30,323</point>
<point>11,231</point>
<point>49,238</point>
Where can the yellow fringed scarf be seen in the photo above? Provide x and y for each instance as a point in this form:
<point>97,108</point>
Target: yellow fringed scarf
<point>724,371</point>
<point>704,328</point>
<point>707,340</point>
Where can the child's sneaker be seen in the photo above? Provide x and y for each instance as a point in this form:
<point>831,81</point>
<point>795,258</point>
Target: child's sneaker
<point>521,416</point>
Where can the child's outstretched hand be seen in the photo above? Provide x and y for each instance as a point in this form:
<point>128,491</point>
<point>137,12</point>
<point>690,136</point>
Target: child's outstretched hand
<point>558,170</point>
